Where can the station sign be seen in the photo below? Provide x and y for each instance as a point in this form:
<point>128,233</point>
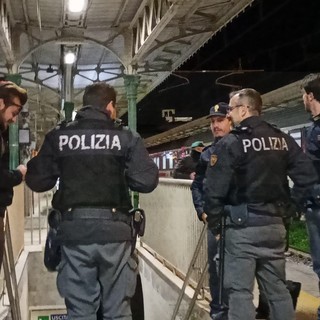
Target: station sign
<point>54,317</point>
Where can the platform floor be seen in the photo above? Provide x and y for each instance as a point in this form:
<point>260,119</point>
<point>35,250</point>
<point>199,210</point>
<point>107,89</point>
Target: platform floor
<point>309,300</point>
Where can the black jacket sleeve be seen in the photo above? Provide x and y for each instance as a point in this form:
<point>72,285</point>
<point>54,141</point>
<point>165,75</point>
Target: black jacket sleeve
<point>9,178</point>
<point>42,170</point>
<point>141,172</point>
<point>197,187</point>
<point>302,173</point>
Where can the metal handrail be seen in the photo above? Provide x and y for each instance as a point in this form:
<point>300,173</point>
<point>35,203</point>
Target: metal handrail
<point>10,273</point>
<point>186,280</point>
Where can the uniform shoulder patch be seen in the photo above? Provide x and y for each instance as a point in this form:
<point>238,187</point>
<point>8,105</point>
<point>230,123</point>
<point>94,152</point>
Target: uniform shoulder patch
<point>213,160</point>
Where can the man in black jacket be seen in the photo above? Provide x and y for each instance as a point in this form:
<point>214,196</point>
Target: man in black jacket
<point>12,99</point>
<point>247,176</point>
<point>96,162</point>
<point>186,167</point>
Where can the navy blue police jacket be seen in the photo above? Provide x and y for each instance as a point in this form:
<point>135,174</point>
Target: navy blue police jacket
<point>96,163</point>
<point>251,165</point>
<point>313,143</point>
<point>8,179</point>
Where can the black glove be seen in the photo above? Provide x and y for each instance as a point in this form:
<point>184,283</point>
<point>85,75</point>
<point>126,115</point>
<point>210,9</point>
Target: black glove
<point>214,222</point>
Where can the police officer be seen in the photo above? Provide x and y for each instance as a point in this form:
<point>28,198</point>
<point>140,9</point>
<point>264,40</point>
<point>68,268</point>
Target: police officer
<point>12,99</point>
<point>186,167</point>
<point>311,98</point>
<point>248,174</point>
<point>220,125</point>
<point>96,161</point>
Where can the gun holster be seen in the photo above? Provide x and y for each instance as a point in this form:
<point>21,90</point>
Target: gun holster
<point>138,221</point>
<point>52,250</point>
<point>54,218</point>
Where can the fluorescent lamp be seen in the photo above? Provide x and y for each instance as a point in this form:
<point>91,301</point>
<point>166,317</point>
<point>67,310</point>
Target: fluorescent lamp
<point>76,5</point>
<point>69,58</point>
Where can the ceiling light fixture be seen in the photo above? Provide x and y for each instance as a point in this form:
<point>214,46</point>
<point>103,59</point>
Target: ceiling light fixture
<point>69,58</point>
<point>76,5</point>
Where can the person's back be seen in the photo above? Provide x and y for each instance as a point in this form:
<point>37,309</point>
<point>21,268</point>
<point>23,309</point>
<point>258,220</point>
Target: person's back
<point>96,161</point>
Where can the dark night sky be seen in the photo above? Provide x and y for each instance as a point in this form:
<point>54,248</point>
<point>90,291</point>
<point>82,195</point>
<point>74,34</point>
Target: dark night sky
<point>281,37</point>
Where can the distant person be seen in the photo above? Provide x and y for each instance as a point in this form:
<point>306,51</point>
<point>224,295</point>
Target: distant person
<point>12,99</point>
<point>311,97</point>
<point>220,126</point>
<point>247,178</point>
<point>186,167</point>
<point>96,160</point>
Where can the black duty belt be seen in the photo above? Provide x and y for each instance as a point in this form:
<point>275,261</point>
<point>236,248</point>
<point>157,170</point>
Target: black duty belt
<point>96,213</point>
<point>263,220</point>
<point>258,220</point>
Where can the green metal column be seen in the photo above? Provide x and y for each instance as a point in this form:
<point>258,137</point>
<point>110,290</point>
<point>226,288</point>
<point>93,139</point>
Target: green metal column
<point>14,130</point>
<point>68,108</point>
<point>131,83</point>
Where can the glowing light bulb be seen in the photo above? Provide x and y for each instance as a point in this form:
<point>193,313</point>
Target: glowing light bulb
<point>76,5</point>
<point>69,58</point>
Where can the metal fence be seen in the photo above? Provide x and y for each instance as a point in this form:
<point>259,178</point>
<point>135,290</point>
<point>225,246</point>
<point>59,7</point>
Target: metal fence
<point>173,229</point>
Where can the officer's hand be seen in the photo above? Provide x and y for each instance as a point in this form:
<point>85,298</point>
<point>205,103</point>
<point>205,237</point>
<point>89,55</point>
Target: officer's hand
<point>192,175</point>
<point>204,217</point>
<point>23,170</point>
<point>214,222</point>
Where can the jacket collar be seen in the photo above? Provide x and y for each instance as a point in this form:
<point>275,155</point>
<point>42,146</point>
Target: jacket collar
<point>92,112</point>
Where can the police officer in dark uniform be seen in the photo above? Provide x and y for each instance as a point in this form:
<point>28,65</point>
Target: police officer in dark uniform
<point>96,162</point>
<point>12,98</point>
<point>247,177</point>
<point>311,98</point>
<point>220,125</point>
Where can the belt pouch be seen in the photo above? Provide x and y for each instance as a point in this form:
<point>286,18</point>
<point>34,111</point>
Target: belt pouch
<point>239,214</point>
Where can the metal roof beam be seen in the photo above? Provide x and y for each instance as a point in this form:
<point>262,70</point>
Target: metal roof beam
<point>5,34</point>
<point>154,18</point>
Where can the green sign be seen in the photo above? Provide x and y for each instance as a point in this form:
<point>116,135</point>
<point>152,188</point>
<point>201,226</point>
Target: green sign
<point>43,317</point>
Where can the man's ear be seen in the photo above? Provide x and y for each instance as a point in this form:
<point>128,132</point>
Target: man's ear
<point>2,105</point>
<point>111,110</point>
<point>310,96</point>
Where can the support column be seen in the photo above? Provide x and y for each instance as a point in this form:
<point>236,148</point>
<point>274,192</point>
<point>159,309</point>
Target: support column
<point>68,108</point>
<point>14,130</point>
<point>131,83</point>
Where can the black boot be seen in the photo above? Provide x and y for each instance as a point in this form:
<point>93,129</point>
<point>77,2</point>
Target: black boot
<point>262,311</point>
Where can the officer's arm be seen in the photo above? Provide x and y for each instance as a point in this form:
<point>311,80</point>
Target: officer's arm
<point>141,172</point>
<point>197,188</point>
<point>219,176</point>
<point>301,171</point>
<point>43,172</point>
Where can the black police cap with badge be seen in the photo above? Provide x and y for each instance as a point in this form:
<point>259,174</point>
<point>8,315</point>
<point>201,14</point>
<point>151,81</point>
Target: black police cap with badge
<point>220,109</point>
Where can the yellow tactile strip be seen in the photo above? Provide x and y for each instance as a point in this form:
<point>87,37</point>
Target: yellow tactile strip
<point>307,306</point>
